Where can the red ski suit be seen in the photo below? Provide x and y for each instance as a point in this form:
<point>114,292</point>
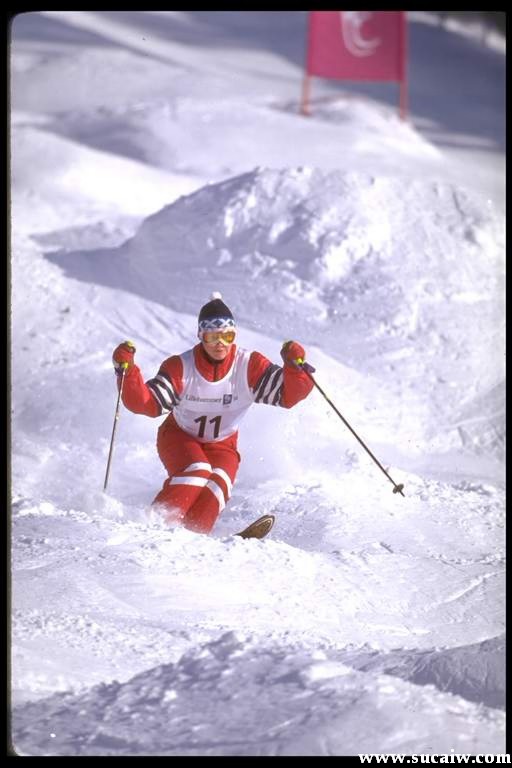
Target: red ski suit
<point>201,474</point>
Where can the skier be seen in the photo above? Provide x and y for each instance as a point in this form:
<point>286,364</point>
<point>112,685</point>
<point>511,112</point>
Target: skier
<point>207,390</point>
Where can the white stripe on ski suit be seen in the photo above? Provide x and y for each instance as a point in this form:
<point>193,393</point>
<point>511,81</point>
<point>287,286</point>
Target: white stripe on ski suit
<point>198,465</point>
<point>199,481</point>
<point>217,492</point>
<point>224,476</point>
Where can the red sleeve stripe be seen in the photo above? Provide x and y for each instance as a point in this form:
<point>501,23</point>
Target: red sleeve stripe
<point>277,396</point>
<point>269,388</point>
<point>161,402</point>
<point>163,390</point>
<point>166,382</point>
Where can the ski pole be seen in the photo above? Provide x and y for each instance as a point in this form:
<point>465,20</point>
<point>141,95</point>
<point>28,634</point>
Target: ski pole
<point>124,366</point>
<point>396,488</point>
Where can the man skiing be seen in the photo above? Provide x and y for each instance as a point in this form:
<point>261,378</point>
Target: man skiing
<point>207,390</point>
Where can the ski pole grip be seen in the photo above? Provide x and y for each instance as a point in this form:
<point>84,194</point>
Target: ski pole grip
<point>305,366</point>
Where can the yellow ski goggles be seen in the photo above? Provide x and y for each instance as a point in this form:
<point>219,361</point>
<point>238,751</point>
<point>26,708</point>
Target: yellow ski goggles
<point>211,337</point>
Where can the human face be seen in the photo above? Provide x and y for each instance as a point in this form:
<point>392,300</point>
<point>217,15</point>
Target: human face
<point>218,343</point>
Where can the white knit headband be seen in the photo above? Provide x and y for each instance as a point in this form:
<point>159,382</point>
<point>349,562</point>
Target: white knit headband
<point>216,324</point>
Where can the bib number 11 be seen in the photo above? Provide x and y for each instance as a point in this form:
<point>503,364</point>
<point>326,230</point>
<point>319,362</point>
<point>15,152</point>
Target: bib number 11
<point>202,425</point>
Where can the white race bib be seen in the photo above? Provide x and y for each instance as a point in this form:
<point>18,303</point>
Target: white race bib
<point>213,410</point>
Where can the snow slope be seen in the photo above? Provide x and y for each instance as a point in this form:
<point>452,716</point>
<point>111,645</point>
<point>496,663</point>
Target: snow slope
<point>375,621</point>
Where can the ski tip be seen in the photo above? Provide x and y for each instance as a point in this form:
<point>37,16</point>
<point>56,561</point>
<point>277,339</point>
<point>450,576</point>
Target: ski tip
<point>258,529</point>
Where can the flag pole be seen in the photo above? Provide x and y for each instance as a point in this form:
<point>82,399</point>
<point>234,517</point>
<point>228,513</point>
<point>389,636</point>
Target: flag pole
<point>306,89</point>
<point>306,80</point>
<point>403,66</point>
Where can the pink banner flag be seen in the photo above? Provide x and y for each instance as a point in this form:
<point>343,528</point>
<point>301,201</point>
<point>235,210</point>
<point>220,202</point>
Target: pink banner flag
<point>357,45</point>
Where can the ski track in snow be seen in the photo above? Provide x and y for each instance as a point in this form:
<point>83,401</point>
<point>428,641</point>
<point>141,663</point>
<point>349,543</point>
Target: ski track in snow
<point>366,622</point>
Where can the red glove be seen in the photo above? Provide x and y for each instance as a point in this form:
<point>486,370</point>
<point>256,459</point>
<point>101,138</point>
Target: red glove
<point>123,355</point>
<point>293,353</point>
